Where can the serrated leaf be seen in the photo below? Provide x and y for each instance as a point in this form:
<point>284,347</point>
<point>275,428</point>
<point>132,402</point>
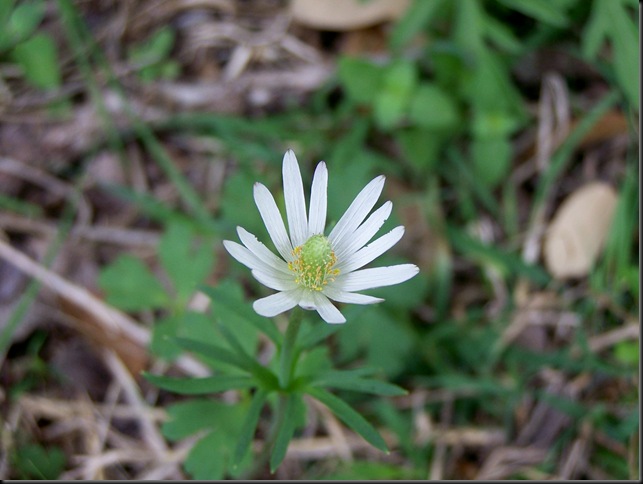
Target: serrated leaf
<point>129,285</point>
<point>186,265</point>
<point>196,386</point>
<point>285,432</point>
<point>249,426</point>
<point>350,417</point>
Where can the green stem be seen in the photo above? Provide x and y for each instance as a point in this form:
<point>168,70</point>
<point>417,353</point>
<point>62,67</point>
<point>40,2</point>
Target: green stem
<point>288,347</point>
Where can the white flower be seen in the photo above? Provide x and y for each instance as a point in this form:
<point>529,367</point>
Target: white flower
<point>313,267</point>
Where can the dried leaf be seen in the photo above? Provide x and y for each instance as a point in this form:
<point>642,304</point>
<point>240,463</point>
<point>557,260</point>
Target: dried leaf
<point>579,229</point>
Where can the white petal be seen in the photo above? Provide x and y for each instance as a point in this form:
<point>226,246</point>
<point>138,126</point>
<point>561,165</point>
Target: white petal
<point>306,301</point>
<point>327,310</point>
<point>275,280</point>
<point>357,211</point>
<point>371,251</point>
<point>350,297</point>
<point>318,201</point>
<point>246,257</point>
<point>376,277</point>
<point>261,251</point>
<point>276,303</point>
<point>364,233</point>
<point>295,200</point>
<point>273,221</point>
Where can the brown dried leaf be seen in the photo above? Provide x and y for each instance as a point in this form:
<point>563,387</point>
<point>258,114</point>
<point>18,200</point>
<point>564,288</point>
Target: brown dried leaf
<point>579,229</point>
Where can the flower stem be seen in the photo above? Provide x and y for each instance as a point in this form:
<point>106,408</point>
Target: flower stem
<point>288,347</point>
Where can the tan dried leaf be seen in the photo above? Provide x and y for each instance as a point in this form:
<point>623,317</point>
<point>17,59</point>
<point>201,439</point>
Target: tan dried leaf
<point>579,229</point>
<point>345,14</point>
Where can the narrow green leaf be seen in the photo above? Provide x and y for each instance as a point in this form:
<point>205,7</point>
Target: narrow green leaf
<point>317,333</point>
<point>415,19</point>
<point>196,386</point>
<point>249,426</point>
<point>349,416</point>
<point>343,381</point>
<point>213,352</point>
<point>221,299</point>
<point>545,11</point>
<point>285,432</point>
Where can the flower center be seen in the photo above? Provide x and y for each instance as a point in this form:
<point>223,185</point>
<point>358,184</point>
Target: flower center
<point>313,264</point>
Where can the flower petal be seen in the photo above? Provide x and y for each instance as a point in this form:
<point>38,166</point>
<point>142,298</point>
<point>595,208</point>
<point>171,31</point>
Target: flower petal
<point>371,251</point>
<point>276,303</point>
<point>295,200</point>
<point>273,221</point>
<point>364,233</point>
<point>327,310</point>
<point>376,277</point>
<point>244,256</point>
<point>318,201</point>
<point>350,297</point>
<point>261,251</point>
<point>357,211</point>
<point>275,280</point>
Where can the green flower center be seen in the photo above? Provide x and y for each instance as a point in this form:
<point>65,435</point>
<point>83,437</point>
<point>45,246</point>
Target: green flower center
<point>313,264</point>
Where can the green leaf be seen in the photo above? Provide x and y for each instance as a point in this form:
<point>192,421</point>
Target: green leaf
<point>395,93</point>
<point>285,432</point>
<point>361,79</point>
<point>349,381</point>
<point>491,159</point>
<point>206,460</point>
<point>421,147</point>
<point>129,285</point>
<point>163,342</point>
<point>230,308</point>
<point>32,461</point>
<point>20,22</point>
<point>349,416</point>
<point>249,426</point>
<point>186,264</point>
<point>545,11</point>
<point>196,386</point>
<point>38,58</point>
<point>416,18</point>
<point>212,352</point>
<point>432,108</point>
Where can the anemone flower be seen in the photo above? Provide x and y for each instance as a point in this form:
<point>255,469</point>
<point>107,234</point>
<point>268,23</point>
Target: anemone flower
<point>315,268</point>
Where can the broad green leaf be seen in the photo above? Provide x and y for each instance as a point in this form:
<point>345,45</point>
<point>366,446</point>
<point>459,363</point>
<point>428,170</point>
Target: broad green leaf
<point>348,381</point>
<point>38,57</point>
<point>285,432</point>
<point>20,22</point>
<point>186,264</point>
<point>491,159</point>
<point>393,98</point>
<point>349,416</point>
<point>206,460</point>
<point>129,285</point>
<point>32,461</point>
<point>163,342</point>
<point>249,426</point>
<point>433,108</point>
<point>421,147</point>
<point>360,78</point>
<point>196,386</point>
<point>493,124</point>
